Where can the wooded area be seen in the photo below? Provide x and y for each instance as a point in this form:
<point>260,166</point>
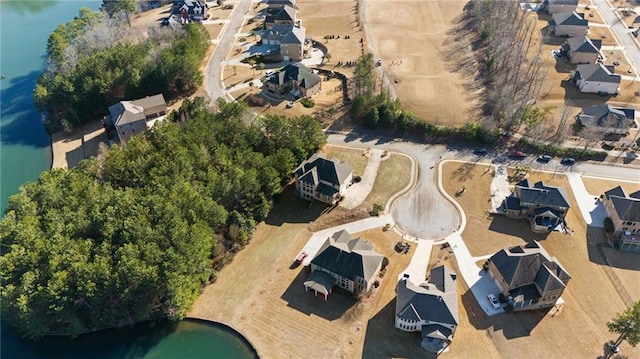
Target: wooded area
<point>134,234</point>
<point>97,60</point>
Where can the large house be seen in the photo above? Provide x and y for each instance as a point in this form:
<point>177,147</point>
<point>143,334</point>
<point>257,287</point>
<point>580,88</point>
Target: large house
<point>556,6</point>
<point>568,24</point>
<point>582,50</point>
<point>287,40</point>
<point>544,206</point>
<point>430,308</point>
<point>136,116</point>
<point>189,10</point>
<point>285,15</point>
<point>323,179</point>
<point>624,212</point>
<point>596,78</point>
<point>275,4</point>
<point>528,276</point>
<point>294,80</point>
<point>607,119</point>
<point>349,263</point>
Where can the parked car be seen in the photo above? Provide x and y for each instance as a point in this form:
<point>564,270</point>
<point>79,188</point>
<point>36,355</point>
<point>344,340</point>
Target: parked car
<point>290,104</point>
<point>517,155</point>
<point>480,151</point>
<point>544,158</point>
<point>301,257</point>
<point>493,300</point>
<point>568,161</point>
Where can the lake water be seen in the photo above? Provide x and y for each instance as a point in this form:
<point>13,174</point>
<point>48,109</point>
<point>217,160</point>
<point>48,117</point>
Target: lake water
<point>25,152</point>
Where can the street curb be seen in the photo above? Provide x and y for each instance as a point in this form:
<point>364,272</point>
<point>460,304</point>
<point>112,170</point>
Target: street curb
<point>462,218</point>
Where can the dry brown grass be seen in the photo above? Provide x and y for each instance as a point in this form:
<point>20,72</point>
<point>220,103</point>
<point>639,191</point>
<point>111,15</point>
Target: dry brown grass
<point>602,33</point>
<point>393,176</point>
<point>597,186</point>
<point>355,157</point>
<point>214,30</point>
<point>240,74</point>
<point>511,334</point>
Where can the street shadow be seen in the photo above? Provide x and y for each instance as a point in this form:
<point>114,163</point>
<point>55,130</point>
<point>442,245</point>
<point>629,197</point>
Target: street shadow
<point>513,325</point>
<point>290,208</point>
<point>515,227</point>
<point>383,341</point>
<point>21,122</point>
<point>299,299</point>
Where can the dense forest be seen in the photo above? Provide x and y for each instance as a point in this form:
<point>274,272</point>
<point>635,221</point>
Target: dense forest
<point>135,233</point>
<point>97,60</point>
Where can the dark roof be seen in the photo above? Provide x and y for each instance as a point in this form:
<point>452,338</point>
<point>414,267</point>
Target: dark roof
<point>521,265</point>
<point>571,18</point>
<point>584,44</point>
<point>326,189</point>
<point>285,34</point>
<point>616,191</point>
<point>194,7</point>
<point>282,2</point>
<point>285,13</point>
<point>348,258</point>
<point>318,168</point>
<point>320,281</point>
<point>295,72</point>
<point>597,72</point>
<point>436,300</point>
<point>607,116</point>
<point>435,337</point>
<point>627,208</point>
<point>543,195</point>
<point>562,2</point>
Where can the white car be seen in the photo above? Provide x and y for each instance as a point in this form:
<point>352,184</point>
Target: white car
<point>291,104</point>
<point>494,301</point>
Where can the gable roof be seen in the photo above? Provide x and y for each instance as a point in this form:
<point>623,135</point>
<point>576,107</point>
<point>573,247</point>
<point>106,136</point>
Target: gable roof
<point>319,168</point>
<point>562,2</point>
<point>571,18</point>
<point>286,34</point>
<point>542,194</point>
<point>627,207</point>
<point>347,257</point>
<point>435,300</point>
<point>285,13</point>
<point>125,112</point>
<point>282,2</point>
<point>521,265</point>
<point>584,44</point>
<point>597,72</point>
<point>607,116</point>
<point>193,7</point>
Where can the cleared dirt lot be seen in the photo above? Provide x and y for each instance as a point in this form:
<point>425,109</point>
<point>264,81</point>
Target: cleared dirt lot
<point>579,329</point>
<point>418,37</point>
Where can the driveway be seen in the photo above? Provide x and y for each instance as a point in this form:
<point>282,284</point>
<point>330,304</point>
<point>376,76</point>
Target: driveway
<point>592,210</point>
<point>358,192</point>
<point>499,187</point>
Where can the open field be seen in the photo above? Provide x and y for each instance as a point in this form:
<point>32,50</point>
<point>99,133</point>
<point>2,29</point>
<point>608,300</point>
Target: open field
<point>393,176</point>
<point>275,297</point>
<point>584,311</point>
<point>420,38</point>
<point>355,157</point>
<point>597,186</point>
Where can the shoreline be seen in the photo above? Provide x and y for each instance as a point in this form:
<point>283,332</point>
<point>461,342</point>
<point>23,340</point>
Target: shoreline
<point>68,149</point>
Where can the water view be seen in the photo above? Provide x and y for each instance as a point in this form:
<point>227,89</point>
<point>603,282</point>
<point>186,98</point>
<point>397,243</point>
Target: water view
<point>25,152</point>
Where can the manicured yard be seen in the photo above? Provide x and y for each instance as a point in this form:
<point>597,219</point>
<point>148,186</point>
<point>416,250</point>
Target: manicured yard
<point>597,186</point>
<point>393,176</point>
<point>355,157</point>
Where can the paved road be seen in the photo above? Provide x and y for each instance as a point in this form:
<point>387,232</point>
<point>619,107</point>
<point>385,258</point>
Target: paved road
<point>621,31</point>
<point>212,80</point>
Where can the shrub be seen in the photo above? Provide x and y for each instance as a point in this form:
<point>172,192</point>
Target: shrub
<point>608,225</point>
<point>307,102</point>
<point>376,284</point>
<point>485,266</point>
<point>385,263</point>
<point>376,210</point>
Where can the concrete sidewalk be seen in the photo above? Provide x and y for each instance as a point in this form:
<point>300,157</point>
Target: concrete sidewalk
<point>590,207</point>
<point>499,187</point>
<point>358,192</point>
<point>417,268</point>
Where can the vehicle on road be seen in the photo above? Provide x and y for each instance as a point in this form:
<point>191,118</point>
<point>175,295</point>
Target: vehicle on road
<point>568,161</point>
<point>493,300</point>
<point>480,151</point>
<point>518,155</point>
<point>544,158</point>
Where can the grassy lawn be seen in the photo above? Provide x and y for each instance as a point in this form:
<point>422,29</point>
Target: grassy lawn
<point>356,158</point>
<point>393,175</point>
<point>597,186</point>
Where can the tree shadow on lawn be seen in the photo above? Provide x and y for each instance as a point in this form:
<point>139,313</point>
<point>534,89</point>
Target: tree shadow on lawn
<point>513,325</point>
<point>383,340</point>
<point>515,227</point>
<point>298,298</point>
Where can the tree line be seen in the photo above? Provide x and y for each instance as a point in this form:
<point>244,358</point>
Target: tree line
<point>134,234</point>
<point>96,60</point>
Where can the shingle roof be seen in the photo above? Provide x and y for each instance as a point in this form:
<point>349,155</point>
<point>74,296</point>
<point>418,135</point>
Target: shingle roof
<point>125,112</point>
<point>584,44</point>
<point>282,2</point>
<point>607,116</point>
<point>285,13</point>
<point>320,281</point>
<point>521,265</point>
<point>319,169</point>
<point>543,195</point>
<point>436,300</point>
<point>568,19</point>
<point>597,72</point>
<point>627,208</point>
<point>349,258</point>
<point>286,34</point>
<point>562,2</point>
<point>194,7</point>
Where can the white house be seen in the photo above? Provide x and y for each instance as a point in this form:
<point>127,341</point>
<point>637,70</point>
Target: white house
<point>322,179</point>
<point>430,308</point>
<point>596,78</point>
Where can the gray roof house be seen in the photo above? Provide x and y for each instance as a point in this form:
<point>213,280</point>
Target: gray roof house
<point>294,80</point>
<point>135,116</point>
<point>528,276</point>
<point>431,308</point>
<point>545,206</point>
<point>323,179</point>
<point>280,3</point>
<point>556,6</point>
<point>609,119</point>
<point>351,264</point>
<point>582,50</point>
<point>285,15</point>
<point>568,24</point>
<point>596,78</point>
<point>624,211</point>
<point>286,39</point>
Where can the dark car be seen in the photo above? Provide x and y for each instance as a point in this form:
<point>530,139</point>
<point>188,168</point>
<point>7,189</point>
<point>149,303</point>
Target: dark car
<point>544,158</point>
<point>568,161</point>
<point>517,155</point>
<point>480,151</point>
